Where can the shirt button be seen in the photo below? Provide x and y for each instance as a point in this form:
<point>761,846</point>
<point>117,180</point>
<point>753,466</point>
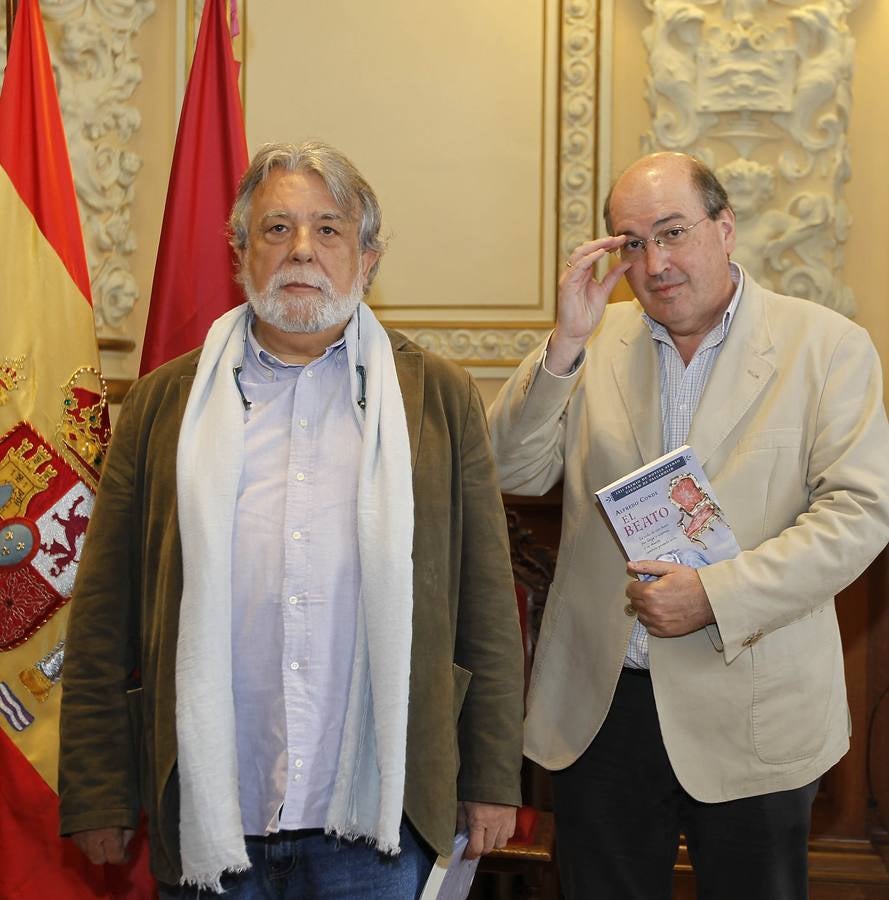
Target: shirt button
<point>297,777</point>
<point>293,600</point>
<point>300,476</point>
<point>296,535</point>
<point>299,764</point>
<point>310,374</point>
<point>294,665</point>
<point>303,423</point>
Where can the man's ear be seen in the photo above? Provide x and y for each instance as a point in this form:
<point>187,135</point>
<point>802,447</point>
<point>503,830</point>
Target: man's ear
<point>368,258</point>
<point>726,223</point>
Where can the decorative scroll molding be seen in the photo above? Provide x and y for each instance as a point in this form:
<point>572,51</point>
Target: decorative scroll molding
<point>761,91</point>
<point>97,71</point>
<point>478,346</point>
<point>577,173</point>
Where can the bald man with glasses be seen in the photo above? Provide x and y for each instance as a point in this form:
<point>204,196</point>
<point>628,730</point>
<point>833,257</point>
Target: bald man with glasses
<point>712,702</point>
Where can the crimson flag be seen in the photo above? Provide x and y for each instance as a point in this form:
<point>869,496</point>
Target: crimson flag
<point>193,275</point>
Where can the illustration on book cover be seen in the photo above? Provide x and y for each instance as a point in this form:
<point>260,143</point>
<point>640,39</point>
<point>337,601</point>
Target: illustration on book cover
<point>667,510</point>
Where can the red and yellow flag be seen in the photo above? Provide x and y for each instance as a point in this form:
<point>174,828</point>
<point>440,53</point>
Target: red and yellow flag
<point>53,432</point>
<point>194,274</point>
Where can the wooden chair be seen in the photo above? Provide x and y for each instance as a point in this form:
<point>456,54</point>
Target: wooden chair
<point>526,867</point>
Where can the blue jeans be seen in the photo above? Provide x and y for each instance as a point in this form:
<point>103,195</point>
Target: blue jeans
<point>308,865</point>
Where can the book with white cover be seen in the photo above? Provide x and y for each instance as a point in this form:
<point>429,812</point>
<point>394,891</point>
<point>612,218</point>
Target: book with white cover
<point>451,876</point>
<point>667,510</point>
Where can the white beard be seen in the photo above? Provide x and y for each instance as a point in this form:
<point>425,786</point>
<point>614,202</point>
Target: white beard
<point>306,315</point>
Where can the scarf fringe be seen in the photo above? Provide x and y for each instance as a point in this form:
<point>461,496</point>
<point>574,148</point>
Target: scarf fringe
<point>207,882</point>
<point>352,836</point>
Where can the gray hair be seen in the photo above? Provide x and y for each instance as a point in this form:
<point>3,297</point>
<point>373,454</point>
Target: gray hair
<point>345,183</point>
<point>713,195</point>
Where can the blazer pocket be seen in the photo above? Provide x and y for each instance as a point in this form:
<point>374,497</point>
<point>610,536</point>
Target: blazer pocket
<point>462,677</point>
<point>762,487</point>
<point>793,677</point>
<point>770,439</point>
<point>134,713</point>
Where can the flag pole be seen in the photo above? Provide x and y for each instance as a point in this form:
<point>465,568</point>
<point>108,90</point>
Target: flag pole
<point>194,271</point>
<point>10,18</point>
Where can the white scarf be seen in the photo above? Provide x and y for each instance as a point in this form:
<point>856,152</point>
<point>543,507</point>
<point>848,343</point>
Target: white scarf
<point>368,790</point>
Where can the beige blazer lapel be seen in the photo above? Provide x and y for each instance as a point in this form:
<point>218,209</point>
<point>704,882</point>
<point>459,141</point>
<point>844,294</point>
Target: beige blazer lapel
<point>636,374</point>
<point>743,369</point>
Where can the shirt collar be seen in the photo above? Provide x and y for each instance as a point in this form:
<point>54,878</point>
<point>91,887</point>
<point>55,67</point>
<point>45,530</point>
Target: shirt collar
<point>269,361</point>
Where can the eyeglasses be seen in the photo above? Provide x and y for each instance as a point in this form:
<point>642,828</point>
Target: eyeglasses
<point>667,238</point>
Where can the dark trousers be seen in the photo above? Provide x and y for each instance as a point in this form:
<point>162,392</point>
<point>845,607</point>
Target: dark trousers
<point>619,811</point>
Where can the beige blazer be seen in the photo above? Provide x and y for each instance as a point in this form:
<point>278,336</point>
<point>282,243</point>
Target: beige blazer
<point>792,434</point>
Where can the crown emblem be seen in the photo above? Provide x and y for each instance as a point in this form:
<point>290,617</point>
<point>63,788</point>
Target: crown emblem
<point>84,431</point>
<point>10,376</point>
<point>43,512</point>
<point>23,476</point>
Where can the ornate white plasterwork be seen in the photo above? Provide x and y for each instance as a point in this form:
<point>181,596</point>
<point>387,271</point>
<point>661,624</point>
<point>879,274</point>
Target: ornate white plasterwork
<point>479,345</point>
<point>97,71</point>
<point>761,91</point>
<point>578,154</point>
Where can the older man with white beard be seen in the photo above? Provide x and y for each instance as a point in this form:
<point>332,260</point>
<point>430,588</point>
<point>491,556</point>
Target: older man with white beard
<point>297,583</point>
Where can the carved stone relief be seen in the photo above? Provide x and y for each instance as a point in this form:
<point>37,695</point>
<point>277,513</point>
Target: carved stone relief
<point>761,91</point>
<point>97,71</point>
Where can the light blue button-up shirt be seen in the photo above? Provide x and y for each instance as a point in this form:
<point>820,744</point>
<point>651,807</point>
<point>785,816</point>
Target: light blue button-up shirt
<point>681,390</point>
<point>295,580</point>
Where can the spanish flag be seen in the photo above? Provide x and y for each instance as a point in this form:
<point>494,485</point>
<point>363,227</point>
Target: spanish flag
<point>53,432</point>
